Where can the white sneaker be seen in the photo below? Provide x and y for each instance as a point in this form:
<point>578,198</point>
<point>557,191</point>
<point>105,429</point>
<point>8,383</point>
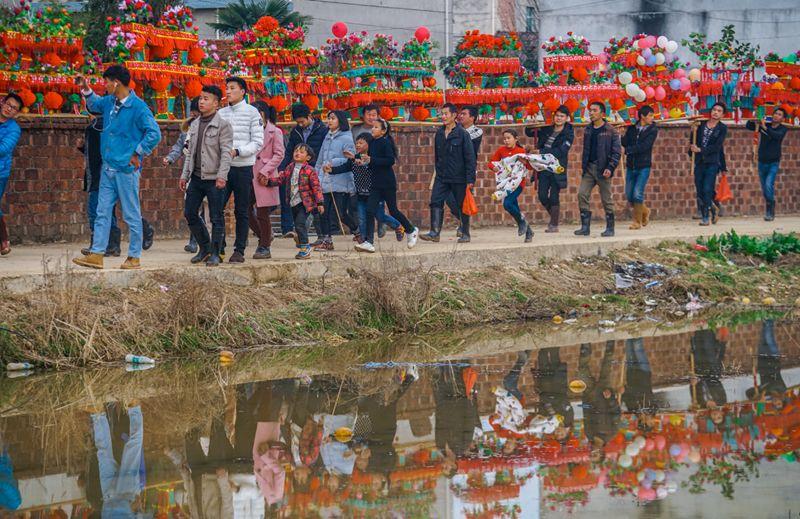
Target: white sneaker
<point>413,372</point>
<point>412,238</point>
<point>365,247</point>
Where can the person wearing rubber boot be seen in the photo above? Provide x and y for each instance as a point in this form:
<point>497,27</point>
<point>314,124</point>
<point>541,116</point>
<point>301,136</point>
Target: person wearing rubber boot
<point>556,140</point>
<point>638,142</point>
<point>771,134</point>
<point>707,151</point>
<point>130,133</point>
<point>9,137</point>
<point>601,154</point>
<point>205,174</point>
<point>455,164</point>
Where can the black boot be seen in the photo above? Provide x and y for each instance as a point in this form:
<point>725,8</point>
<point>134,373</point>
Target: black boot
<point>437,216</point>
<point>465,237</point>
<point>147,234</point>
<point>554,214</point>
<point>609,226</point>
<point>586,220</point>
<point>214,259</point>
<point>192,245</point>
<point>114,237</point>
<point>770,215</point>
<point>528,234</point>
<point>88,250</point>
<point>522,225</point>
<point>200,236</point>
<point>202,255</point>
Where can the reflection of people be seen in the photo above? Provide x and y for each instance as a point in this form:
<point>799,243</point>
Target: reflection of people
<point>121,482</point>
<point>456,413</point>
<point>270,450</point>
<point>10,498</point>
<point>601,409</point>
<point>638,395</point>
<point>550,377</point>
<point>707,353</point>
<point>768,364</point>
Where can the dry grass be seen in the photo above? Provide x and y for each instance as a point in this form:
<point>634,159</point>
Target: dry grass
<point>174,315</point>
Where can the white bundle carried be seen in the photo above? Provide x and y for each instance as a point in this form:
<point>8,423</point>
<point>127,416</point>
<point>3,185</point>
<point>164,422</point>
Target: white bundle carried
<point>512,170</point>
<point>512,417</point>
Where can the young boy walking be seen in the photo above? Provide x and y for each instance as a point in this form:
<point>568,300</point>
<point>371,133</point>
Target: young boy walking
<point>205,174</point>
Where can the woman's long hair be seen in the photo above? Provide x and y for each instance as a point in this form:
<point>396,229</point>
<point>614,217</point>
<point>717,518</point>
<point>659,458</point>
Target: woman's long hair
<point>388,127</point>
<point>266,111</point>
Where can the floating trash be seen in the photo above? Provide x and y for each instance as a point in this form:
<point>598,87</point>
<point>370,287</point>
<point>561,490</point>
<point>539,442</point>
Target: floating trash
<point>138,359</point>
<point>19,366</point>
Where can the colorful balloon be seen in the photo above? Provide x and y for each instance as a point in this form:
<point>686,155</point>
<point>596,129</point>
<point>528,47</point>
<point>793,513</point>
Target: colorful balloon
<point>422,34</point>
<point>674,450</point>
<point>671,47</point>
<point>685,84</point>
<point>675,84</point>
<point>632,88</point>
<point>660,58</point>
<point>647,53</point>
<point>640,97</point>
<point>661,442</point>
<point>624,78</point>
<point>694,75</point>
<point>641,61</point>
<point>659,95</point>
<point>662,41</point>
<point>651,61</point>
<point>625,461</point>
<point>339,29</point>
<point>679,73</point>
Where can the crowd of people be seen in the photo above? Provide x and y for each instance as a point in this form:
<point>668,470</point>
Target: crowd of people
<point>341,179</point>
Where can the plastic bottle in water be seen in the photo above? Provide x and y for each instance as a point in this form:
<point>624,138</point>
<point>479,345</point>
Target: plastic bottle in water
<point>138,359</point>
<point>19,374</point>
<point>138,367</point>
<point>18,366</point>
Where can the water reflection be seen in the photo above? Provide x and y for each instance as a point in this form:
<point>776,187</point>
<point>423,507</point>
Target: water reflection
<point>703,423</point>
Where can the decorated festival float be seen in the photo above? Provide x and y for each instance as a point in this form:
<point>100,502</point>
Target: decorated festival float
<point>727,73</point>
<point>40,57</point>
<point>781,85</point>
<point>168,63</point>
<point>378,70</point>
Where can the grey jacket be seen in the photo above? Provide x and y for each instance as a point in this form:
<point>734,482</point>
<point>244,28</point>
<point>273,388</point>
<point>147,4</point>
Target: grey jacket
<point>215,156</point>
<point>332,152</point>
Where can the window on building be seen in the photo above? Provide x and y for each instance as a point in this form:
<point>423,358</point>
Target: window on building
<point>530,19</point>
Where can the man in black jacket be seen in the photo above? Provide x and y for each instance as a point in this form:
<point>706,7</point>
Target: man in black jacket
<point>708,154</point>
<point>455,172</point>
<point>769,155</point>
<point>638,143</point>
<point>307,130</point>
<point>601,154</point>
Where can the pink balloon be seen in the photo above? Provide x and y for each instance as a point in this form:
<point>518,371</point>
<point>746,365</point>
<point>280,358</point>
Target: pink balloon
<point>644,43</point>
<point>422,33</point>
<point>679,73</point>
<point>339,29</point>
<point>685,448</point>
<point>660,93</point>
<point>685,84</point>
<point>661,442</point>
<point>603,58</point>
<point>650,93</point>
<point>651,40</point>
<point>649,444</point>
<point>646,494</point>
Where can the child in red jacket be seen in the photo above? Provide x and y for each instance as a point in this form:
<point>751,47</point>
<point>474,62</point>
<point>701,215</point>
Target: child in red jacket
<point>510,202</point>
<point>304,194</point>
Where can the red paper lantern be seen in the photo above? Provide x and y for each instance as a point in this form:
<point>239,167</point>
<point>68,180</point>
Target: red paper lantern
<point>330,104</point>
<point>139,43</point>
<point>552,104</point>
<point>163,51</point>
<point>579,74</point>
<point>28,97</point>
<point>795,83</point>
<point>572,105</point>
<point>532,109</point>
<point>386,113</point>
<point>196,55</point>
<point>617,104</point>
<point>279,103</point>
<point>53,100</point>
<point>160,84</point>
<point>52,59</point>
<point>343,83</point>
<point>339,29</point>
<point>311,101</point>
<point>420,113</point>
<point>422,33</point>
<point>193,89</point>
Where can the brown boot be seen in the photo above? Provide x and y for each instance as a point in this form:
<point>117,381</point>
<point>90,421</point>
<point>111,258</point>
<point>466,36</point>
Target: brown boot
<point>645,215</point>
<point>554,216</point>
<point>637,217</point>
<point>131,264</point>
<point>94,261</point>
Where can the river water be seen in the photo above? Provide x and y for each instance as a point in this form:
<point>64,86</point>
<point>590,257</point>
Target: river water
<point>682,423</point>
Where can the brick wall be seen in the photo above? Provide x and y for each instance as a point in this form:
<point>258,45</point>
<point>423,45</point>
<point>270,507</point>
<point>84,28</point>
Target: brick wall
<point>44,201</point>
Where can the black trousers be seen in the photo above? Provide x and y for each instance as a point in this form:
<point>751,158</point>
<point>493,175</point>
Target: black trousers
<point>195,192</point>
<point>337,206</point>
<point>300,216</point>
<point>388,195</point>
<point>444,190</point>
<point>549,189</point>
<point>240,184</point>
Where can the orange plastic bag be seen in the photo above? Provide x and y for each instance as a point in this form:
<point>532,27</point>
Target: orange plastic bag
<point>724,192</point>
<point>469,207</point>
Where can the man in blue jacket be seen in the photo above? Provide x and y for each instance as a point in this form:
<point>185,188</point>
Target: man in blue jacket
<point>9,136</point>
<point>130,133</point>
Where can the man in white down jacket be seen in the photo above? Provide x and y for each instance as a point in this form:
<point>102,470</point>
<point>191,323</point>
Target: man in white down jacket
<point>248,137</point>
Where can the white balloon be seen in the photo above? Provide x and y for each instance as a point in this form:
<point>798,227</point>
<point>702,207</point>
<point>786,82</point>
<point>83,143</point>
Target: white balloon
<point>625,77</point>
<point>660,58</point>
<point>662,41</point>
<point>661,492</point>
<point>640,96</point>
<point>660,475</point>
<point>640,61</point>
<point>640,441</point>
<point>625,461</point>
<point>671,46</point>
<point>631,89</point>
<point>635,44</point>
<point>632,450</point>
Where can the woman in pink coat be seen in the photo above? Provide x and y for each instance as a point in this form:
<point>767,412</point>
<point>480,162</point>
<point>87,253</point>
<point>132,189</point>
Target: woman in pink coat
<point>263,199</point>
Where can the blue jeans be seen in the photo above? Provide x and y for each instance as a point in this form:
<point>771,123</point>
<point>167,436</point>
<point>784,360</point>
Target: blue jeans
<point>116,185</point>
<point>121,482</point>
<point>91,211</point>
<point>3,184</point>
<point>705,182</point>
<point>767,174</point>
<point>287,222</point>
<point>511,203</point>
<point>380,215</point>
<point>635,182</point>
